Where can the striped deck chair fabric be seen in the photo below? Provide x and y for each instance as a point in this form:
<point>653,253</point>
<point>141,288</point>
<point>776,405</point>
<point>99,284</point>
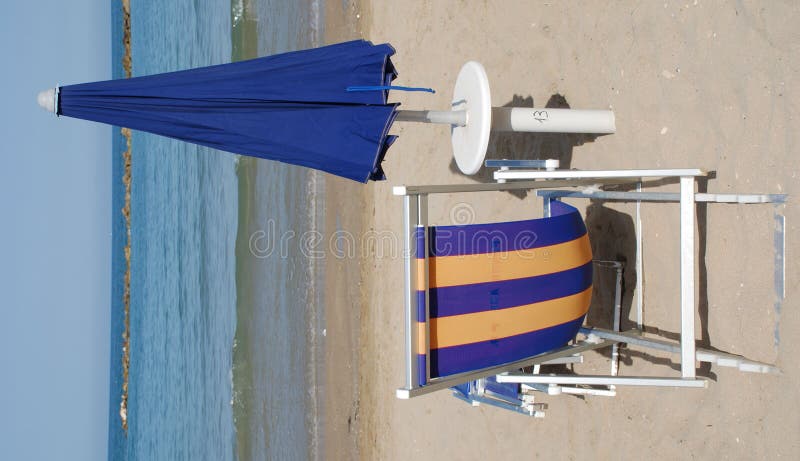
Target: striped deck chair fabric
<point>503,292</point>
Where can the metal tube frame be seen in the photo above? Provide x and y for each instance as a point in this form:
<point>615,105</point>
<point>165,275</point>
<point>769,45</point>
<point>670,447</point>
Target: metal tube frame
<point>618,268</point>
<point>639,263</point>
<point>423,223</point>
<point>642,381</point>
<point>701,355</point>
<point>437,384</point>
<point>410,217</point>
<point>687,198</point>
<point>688,368</point>
<point>597,174</point>
<point>415,215</point>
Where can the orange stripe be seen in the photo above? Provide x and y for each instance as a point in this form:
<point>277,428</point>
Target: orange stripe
<point>421,273</point>
<point>421,338</point>
<point>447,271</point>
<point>488,325</point>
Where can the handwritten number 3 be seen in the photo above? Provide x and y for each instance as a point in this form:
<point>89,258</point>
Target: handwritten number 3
<point>540,115</point>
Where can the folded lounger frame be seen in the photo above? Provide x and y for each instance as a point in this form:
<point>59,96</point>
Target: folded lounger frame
<point>549,185</point>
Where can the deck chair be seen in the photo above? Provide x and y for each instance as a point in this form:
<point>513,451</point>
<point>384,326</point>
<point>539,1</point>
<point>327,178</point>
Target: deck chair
<point>487,305</point>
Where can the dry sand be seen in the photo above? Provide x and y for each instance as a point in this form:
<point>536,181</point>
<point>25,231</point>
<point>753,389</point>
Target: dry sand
<point>693,84</point>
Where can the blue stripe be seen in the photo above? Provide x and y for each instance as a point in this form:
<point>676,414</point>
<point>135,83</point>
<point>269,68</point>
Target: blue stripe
<point>419,235</point>
<point>421,317</point>
<point>421,369</point>
<point>565,225</point>
<point>420,238</point>
<point>468,299</point>
<point>469,357</point>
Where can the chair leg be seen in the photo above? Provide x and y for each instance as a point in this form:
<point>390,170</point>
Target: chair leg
<point>688,369</point>
<point>701,355</point>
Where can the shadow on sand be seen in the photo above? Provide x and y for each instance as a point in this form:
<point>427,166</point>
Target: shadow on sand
<point>612,233</point>
<point>529,146</point>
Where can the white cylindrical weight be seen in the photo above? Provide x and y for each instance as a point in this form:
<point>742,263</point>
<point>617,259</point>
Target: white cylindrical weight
<point>553,120</point>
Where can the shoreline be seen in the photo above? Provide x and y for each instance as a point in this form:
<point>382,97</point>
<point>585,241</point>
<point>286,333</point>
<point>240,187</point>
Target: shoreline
<point>339,390</point>
<point>126,213</point>
<point>332,308</point>
<point>335,323</point>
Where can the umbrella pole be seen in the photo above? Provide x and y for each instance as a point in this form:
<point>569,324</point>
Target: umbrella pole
<point>522,119</point>
<point>446,117</point>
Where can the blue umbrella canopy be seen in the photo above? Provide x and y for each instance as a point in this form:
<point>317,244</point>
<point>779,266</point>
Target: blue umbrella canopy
<point>298,107</point>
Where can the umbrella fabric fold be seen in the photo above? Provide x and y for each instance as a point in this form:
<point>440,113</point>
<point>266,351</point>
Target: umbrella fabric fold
<point>291,107</point>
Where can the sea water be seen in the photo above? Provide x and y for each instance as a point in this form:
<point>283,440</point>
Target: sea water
<point>221,330</point>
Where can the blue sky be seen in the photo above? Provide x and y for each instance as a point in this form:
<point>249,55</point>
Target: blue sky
<point>55,209</point>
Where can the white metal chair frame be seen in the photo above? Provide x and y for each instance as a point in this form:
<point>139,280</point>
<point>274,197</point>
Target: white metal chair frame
<point>550,185</point>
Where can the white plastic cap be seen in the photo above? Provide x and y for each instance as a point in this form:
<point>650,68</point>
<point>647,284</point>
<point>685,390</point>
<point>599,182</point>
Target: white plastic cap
<point>551,164</point>
<point>47,100</point>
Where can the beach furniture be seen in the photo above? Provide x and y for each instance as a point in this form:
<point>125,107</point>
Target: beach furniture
<point>325,108</point>
<point>488,305</point>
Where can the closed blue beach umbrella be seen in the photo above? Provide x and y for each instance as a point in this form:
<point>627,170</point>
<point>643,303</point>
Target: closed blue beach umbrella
<point>323,108</point>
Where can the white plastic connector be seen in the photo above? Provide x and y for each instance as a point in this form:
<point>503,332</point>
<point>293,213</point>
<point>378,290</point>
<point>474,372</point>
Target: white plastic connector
<point>47,99</point>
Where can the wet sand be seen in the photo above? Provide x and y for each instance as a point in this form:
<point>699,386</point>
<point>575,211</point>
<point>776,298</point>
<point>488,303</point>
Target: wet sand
<point>345,200</point>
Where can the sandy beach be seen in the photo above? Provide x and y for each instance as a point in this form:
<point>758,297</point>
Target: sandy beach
<point>344,289</point>
<point>693,84</point>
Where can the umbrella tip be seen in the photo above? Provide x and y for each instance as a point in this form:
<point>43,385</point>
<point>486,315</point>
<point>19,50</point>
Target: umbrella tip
<point>47,100</point>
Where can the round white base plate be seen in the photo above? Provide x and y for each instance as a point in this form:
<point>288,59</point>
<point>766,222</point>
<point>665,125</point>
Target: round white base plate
<point>471,93</point>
